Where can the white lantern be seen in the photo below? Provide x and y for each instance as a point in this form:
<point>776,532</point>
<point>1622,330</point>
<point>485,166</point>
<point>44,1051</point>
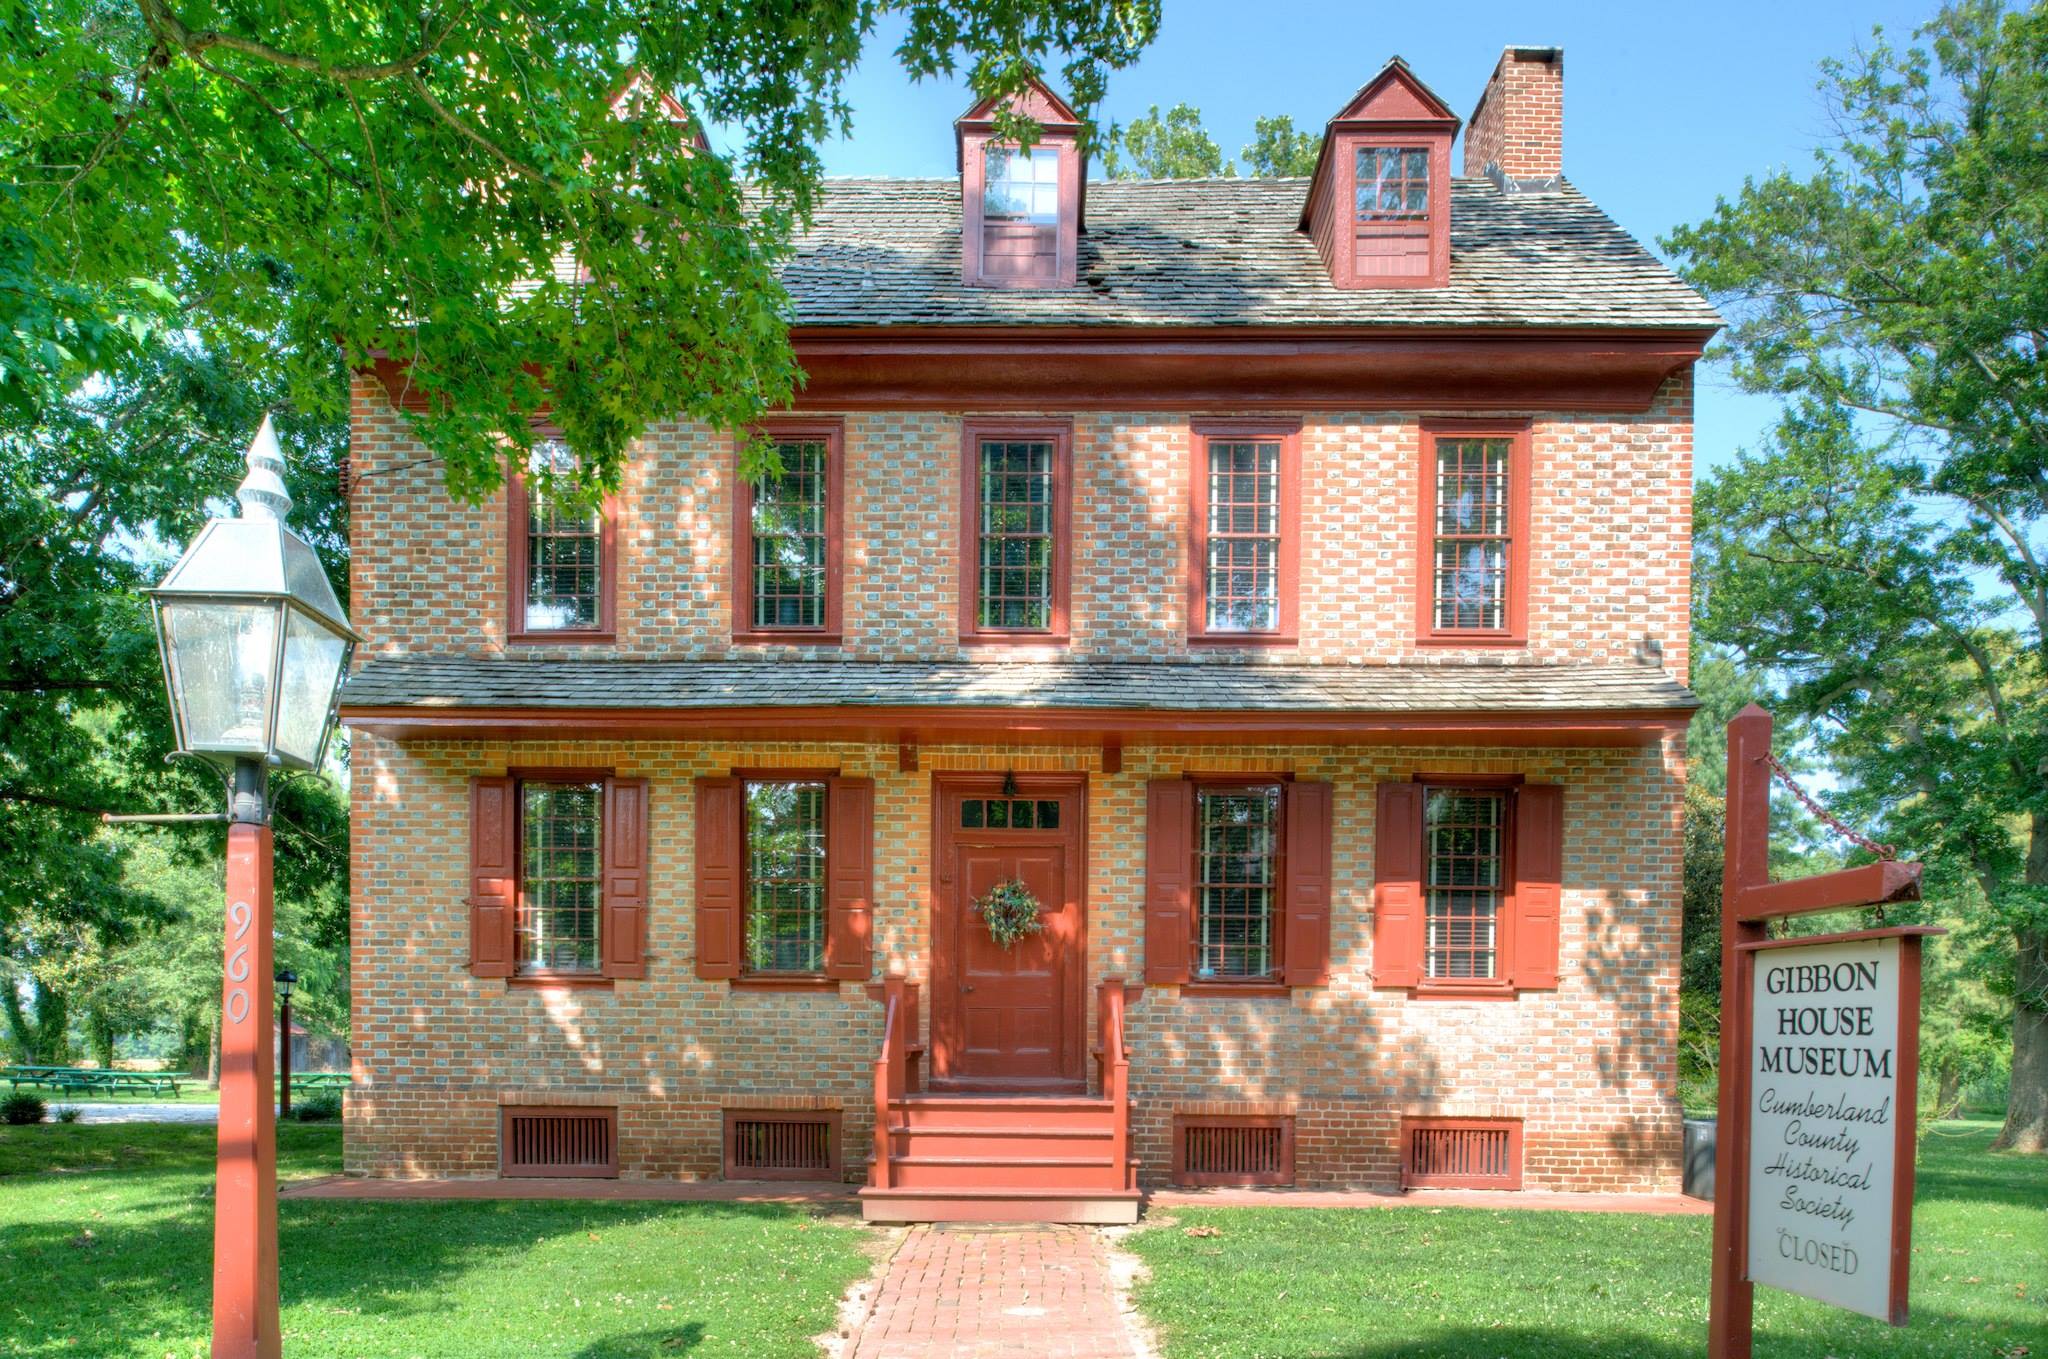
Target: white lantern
<point>254,641</point>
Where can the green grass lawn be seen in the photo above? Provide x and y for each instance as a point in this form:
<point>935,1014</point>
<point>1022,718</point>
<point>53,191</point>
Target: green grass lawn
<point>1474,1284</point>
<point>106,1237</point>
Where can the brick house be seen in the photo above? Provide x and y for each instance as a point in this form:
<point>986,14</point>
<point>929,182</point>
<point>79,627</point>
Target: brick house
<point>1285,581</point>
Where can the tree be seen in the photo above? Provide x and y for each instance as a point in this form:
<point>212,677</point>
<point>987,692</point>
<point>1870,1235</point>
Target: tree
<point>1173,147</point>
<point>1884,551</point>
<point>515,203</point>
<point>1278,151</point>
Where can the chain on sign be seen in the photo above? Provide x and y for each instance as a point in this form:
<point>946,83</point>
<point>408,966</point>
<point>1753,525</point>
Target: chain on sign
<point>1828,818</point>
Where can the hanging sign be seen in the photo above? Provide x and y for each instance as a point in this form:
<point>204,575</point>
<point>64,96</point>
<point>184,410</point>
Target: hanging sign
<point>1834,1047</point>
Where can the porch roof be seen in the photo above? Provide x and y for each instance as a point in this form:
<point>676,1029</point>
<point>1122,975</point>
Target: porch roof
<point>441,695</point>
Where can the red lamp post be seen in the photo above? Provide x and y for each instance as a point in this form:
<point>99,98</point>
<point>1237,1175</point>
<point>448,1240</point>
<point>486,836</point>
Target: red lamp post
<point>254,645</point>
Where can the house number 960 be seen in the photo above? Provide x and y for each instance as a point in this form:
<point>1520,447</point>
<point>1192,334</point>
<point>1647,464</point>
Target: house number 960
<point>239,918</point>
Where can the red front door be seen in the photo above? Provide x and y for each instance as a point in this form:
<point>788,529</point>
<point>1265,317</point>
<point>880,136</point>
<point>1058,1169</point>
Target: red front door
<point>1009,1017</point>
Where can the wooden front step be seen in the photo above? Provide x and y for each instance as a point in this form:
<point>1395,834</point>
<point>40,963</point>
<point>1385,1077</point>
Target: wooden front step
<point>1008,1158</point>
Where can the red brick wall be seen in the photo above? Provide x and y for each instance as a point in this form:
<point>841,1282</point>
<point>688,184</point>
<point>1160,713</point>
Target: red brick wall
<point>1609,565</point>
<point>1589,1067</point>
<point>1519,123</point>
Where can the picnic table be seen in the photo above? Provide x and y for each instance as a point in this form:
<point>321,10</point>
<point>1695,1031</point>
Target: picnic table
<point>321,1080</point>
<point>92,1080</point>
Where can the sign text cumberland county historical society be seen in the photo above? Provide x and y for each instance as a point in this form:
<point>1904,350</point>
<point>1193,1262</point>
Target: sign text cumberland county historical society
<point>1824,1086</point>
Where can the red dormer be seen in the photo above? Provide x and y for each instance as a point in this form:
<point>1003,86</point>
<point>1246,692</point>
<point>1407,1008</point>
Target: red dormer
<point>1379,206</point>
<point>1020,211</point>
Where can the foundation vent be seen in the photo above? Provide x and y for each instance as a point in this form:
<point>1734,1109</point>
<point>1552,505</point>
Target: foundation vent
<point>781,1145</point>
<point>1233,1150</point>
<point>541,1141</point>
<point>1461,1153</point>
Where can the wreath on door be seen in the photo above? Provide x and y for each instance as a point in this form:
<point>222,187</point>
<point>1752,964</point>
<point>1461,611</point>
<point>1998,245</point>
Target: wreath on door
<point>1010,912</point>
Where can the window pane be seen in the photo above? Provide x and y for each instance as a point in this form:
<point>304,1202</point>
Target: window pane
<point>1236,843</point>
<point>564,546</point>
<point>785,890</point>
<point>1470,566</point>
<point>789,532</point>
<point>555,928</point>
<point>1021,186</point>
<point>1243,567</point>
<point>1391,183</point>
<point>1464,833</point>
<point>1015,566</point>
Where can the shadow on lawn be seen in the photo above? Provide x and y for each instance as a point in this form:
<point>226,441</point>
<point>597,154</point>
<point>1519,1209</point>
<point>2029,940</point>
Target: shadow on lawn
<point>646,1344</point>
<point>1523,1342</point>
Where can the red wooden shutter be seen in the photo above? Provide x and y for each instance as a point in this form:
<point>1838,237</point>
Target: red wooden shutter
<point>624,931</point>
<point>1307,868</point>
<point>1397,913</point>
<point>1539,884</point>
<point>718,878</point>
<point>1169,872</point>
<point>493,874</point>
<point>849,877</point>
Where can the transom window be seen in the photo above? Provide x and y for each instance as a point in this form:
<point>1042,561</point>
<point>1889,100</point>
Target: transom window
<point>564,553</point>
<point>1391,183</point>
<point>560,837</point>
<point>1021,186</point>
<point>1464,855</point>
<point>1009,813</point>
<point>791,539</point>
<point>1242,581</point>
<point>785,876</point>
<point>1470,547</point>
<point>1237,843</point>
<point>1016,524</point>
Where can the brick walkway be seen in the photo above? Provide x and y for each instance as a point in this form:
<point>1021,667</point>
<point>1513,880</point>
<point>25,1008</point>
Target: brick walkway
<point>996,1292</point>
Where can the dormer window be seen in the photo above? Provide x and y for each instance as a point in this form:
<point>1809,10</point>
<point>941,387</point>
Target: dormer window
<point>1379,205</point>
<point>1020,210</point>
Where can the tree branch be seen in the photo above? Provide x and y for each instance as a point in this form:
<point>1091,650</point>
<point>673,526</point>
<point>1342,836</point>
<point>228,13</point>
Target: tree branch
<point>173,30</point>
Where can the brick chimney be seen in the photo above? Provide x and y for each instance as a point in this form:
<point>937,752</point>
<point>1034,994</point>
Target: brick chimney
<point>1516,133</point>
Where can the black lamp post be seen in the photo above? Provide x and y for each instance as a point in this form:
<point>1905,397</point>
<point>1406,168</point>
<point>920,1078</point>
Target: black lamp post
<point>286,980</point>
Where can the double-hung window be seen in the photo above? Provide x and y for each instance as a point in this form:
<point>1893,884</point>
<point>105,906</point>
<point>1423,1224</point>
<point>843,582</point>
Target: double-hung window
<point>560,554</point>
<point>1473,575</point>
<point>1238,863</point>
<point>1015,510</point>
<point>561,877</point>
<point>786,540</point>
<point>784,888</point>
<point>1244,515</point>
<point>1465,882</point>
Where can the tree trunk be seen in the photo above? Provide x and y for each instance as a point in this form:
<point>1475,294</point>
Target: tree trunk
<point>213,1055</point>
<point>100,1034</point>
<point>1948,1091</point>
<point>2026,1112</point>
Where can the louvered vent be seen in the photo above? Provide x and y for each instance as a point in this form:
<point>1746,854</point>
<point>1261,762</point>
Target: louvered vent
<point>1233,1151</point>
<point>781,1145</point>
<point>547,1142</point>
<point>1461,1153</point>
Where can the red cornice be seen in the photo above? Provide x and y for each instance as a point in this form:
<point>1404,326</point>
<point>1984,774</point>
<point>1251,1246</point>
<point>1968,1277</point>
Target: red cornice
<point>938,726</point>
<point>1216,368</point>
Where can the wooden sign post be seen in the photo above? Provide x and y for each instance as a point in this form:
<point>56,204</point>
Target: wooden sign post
<point>1813,1179</point>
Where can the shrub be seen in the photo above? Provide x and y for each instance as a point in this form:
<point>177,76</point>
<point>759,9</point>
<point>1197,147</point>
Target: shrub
<point>69,1114</point>
<point>22,1107</point>
<point>321,1107</point>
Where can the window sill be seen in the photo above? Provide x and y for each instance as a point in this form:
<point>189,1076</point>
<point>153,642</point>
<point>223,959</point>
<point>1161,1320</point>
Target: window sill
<point>558,979</point>
<point>791,637</point>
<point>1015,639</point>
<point>1243,988</point>
<point>1475,639</point>
<point>1427,992</point>
<point>566,637</point>
<point>1214,639</point>
<point>793,982</point>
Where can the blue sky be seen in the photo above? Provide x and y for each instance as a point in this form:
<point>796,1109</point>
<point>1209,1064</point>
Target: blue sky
<point>1666,106</point>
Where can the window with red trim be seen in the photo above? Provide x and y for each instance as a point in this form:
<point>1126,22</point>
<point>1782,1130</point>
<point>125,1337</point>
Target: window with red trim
<point>1473,575</point>
<point>1465,882</point>
<point>557,926</point>
<point>787,541</point>
<point>1238,892</point>
<point>784,866</point>
<point>1015,510</point>
<point>1245,518</point>
<point>560,554</point>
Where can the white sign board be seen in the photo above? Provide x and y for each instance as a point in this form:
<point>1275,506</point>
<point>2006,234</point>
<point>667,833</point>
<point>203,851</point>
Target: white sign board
<point>1825,1121</point>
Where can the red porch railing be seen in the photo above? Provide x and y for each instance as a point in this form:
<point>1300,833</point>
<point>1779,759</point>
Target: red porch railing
<point>896,1072</point>
<point>1113,1064</point>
